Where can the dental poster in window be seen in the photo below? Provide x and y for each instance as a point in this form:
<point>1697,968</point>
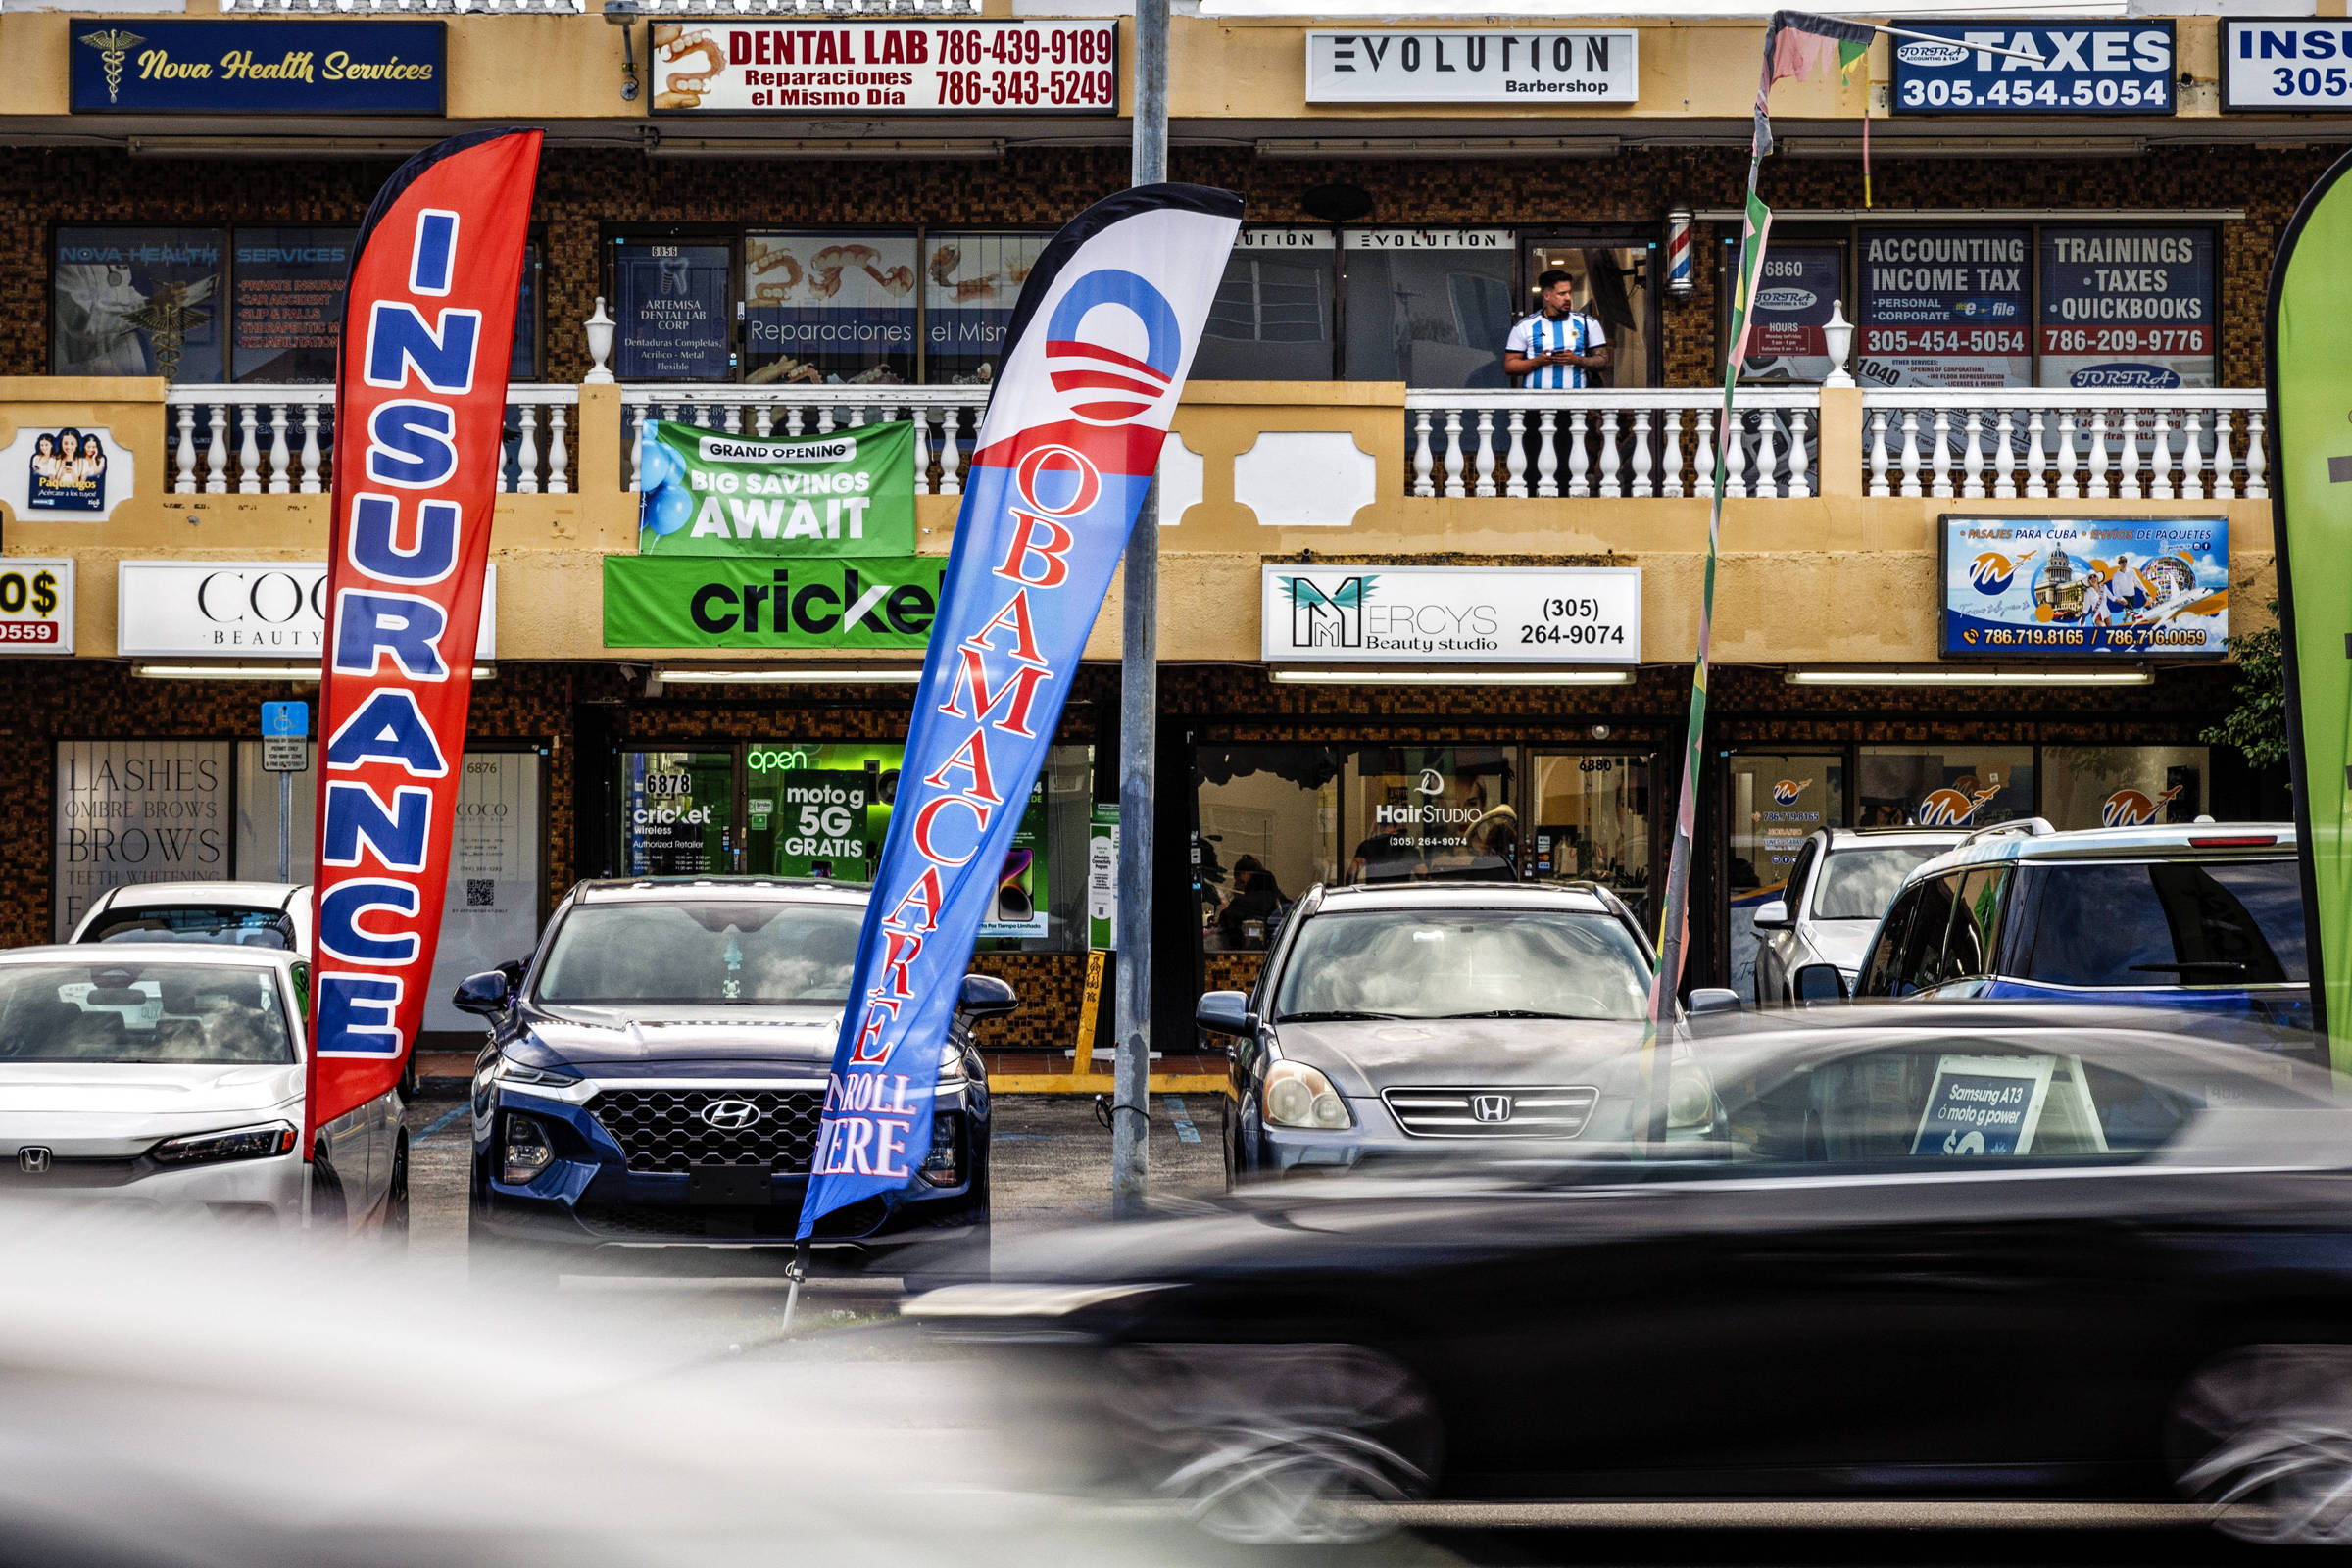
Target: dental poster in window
<point>1019,910</point>
<point>67,473</point>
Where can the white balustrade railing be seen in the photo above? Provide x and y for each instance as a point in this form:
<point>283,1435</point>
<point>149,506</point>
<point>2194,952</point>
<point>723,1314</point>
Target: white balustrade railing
<point>2065,445</point>
<point>280,440</point>
<point>410,7</point>
<point>946,419</point>
<point>1652,442</point>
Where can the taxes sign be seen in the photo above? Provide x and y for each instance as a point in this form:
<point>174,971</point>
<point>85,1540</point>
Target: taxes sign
<point>2086,68</point>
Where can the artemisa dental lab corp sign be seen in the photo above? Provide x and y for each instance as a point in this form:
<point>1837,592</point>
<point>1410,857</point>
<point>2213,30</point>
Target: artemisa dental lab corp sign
<point>1451,615</point>
<point>1487,66</point>
<point>993,68</point>
<point>256,609</point>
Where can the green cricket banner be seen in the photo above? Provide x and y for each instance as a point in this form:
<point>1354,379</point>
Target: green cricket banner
<point>763,602</point>
<point>707,493</point>
<point>2309,338</point>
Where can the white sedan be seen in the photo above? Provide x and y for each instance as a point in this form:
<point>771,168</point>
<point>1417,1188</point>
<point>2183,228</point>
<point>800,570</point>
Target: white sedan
<point>169,1074</point>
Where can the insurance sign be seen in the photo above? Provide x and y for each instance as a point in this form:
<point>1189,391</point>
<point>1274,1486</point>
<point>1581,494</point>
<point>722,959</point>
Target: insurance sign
<point>2269,64</point>
<point>2086,68</point>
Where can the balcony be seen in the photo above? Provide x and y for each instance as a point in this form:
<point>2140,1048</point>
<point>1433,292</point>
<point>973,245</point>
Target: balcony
<point>1260,471</point>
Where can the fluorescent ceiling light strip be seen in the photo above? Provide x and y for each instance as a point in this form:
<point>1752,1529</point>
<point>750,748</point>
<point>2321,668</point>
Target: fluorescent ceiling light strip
<point>748,148</point>
<point>815,674</point>
<point>1969,677</point>
<point>1437,147</point>
<point>1454,677</point>
<point>2084,147</point>
<point>225,671</point>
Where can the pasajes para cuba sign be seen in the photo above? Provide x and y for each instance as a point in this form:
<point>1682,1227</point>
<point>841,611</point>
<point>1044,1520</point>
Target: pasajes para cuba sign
<point>1093,363</point>
<point>420,407</point>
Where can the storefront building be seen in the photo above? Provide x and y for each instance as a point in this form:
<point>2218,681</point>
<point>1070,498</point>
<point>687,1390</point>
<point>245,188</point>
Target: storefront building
<point>2052,328</point>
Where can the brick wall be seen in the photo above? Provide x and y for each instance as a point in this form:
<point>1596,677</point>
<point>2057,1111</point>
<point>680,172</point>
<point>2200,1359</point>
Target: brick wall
<point>581,192</point>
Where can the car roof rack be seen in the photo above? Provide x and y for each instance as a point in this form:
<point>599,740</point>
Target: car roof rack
<point>2031,826</point>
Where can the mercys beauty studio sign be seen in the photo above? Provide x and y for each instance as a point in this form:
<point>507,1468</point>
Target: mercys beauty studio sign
<point>137,66</point>
<point>1451,615</point>
<point>984,67</point>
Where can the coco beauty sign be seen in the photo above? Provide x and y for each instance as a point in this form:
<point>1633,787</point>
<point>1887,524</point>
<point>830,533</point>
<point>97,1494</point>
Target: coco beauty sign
<point>1482,66</point>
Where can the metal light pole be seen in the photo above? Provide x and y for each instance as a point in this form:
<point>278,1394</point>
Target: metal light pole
<point>1138,709</point>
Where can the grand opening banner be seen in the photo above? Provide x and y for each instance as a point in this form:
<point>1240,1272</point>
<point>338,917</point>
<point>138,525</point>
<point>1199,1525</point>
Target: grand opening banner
<point>2309,337</point>
<point>1094,362</point>
<point>420,415</point>
<point>707,493</point>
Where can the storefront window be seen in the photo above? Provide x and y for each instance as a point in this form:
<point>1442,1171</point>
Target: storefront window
<point>138,301</point>
<point>2130,309</point>
<point>1273,316</point>
<point>2123,785</point>
<point>1944,786</point>
<point>1269,820</point>
<point>1944,307</point>
<point>288,286</point>
<point>681,812</point>
<point>829,307</point>
<point>670,311</point>
<point>133,812</point>
<point>1592,822</point>
<point>1612,286</point>
<point>1432,814</point>
<point>970,284</point>
<point>1773,803</point>
<point>1430,308</point>
<point>817,809</point>
<point>490,909</point>
<point>1800,290</point>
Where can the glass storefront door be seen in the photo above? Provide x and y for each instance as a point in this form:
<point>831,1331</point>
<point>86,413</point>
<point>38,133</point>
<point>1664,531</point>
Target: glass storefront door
<point>1773,802</point>
<point>816,810</point>
<point>1944,786</point>
<point>1432,814</point>
<point>681,812</point>
<point>1612,273</point>
<point>1593,823</point>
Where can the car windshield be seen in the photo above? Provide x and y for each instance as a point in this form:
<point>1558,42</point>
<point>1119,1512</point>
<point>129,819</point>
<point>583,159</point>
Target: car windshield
<point>179,1012</point>
<point>2167,923</point>
<point>1859,884</point>
<point>234,924</point>
<point>1462,963</point>
<point>741,953</point>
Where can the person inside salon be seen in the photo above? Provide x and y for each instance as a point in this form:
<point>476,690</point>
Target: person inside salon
<point>1557,347</point>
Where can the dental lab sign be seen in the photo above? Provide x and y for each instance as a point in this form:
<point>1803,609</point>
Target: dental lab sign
<point>1451,615</point>
<point>136,65</point>
<point>2086,68</point>
<point>1487,65</point>
<point>2287,65</point>
<point>968,67</point>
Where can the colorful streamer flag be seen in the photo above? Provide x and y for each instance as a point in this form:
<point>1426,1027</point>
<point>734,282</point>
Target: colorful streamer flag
<point>1798,44</point>
<point>1093,363</point>
<point>2309,334</point>
<point>420,415</point>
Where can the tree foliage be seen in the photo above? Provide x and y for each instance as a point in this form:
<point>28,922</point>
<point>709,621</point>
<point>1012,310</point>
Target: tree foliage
<point>2257,725</point>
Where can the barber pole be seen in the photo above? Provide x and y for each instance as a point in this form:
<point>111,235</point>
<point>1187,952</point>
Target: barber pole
<point>1677,251</point>
<point>419,413</point>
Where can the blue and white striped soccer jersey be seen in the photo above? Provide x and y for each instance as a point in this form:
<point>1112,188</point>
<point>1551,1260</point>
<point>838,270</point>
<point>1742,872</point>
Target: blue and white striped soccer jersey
<point>1540,334</point>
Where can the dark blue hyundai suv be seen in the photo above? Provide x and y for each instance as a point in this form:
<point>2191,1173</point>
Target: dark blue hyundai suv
<point>655,1076</point>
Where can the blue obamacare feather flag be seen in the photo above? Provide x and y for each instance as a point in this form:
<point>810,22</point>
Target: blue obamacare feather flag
<point>1093,363</point>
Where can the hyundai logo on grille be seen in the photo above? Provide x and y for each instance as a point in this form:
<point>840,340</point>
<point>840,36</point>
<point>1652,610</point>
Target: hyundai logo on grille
<point>32,1161</point>
<point>731,1115</point>
<point>1491,1107</point>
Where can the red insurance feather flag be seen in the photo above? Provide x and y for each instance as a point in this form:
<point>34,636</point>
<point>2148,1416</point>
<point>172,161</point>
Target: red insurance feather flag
<point>420,401</point>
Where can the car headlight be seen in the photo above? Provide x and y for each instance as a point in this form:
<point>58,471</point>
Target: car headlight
<point>1690,1097</point>
<point>1298,1096</point>
<point>950,1064</point>
<point>504,1069</point>
<point>528,1149</point>
<point>237,1143</point>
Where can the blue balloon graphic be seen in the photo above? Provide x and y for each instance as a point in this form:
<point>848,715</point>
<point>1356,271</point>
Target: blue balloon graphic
<point>657,466</point>
<point>668,509</point>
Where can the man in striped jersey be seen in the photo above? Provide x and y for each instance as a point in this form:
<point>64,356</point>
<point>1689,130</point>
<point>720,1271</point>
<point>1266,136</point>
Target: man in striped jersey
<point>1553,348</point>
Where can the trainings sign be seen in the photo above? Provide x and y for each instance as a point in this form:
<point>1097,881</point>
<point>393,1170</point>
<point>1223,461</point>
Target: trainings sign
<point>138,65</point>
<point>985,66</point>
<point>2127,307</point>
<point>1451,615</point>
<point>2086,587</point>
<point>2088,67</point>
<point>1482,66</point>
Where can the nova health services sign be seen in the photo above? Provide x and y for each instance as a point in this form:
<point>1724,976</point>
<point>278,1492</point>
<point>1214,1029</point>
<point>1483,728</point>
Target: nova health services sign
<point>138,65</point>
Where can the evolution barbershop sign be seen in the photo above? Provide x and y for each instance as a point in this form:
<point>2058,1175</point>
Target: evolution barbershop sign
<point>137,66</point>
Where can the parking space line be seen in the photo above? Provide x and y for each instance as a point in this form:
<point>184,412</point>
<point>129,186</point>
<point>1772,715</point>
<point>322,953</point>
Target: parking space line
<point>442,1120</point>
<point>1181,1119</point>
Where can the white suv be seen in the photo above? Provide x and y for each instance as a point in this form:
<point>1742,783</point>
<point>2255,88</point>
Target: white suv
<point>1837,892</point>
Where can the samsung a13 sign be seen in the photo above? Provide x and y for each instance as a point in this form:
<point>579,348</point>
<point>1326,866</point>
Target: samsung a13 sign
<point>2085,68</point>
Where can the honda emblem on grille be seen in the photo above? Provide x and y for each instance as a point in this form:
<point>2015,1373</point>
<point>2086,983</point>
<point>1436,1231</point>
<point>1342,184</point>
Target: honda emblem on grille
<point>32,1161</point>
<point>1491,1107</point>
<point>731,1115</point>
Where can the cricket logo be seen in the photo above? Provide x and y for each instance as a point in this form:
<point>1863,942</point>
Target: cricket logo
<point>113,46</point>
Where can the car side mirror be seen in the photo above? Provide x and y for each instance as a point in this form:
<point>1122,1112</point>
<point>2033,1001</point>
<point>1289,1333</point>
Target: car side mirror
<point>1816,983</point>
<point>513,969</point>
<point>1713,999</point>
<point>1773,917</point>
<point>984,995</point>
<point>1225,1012</point>
<point>484,994</point>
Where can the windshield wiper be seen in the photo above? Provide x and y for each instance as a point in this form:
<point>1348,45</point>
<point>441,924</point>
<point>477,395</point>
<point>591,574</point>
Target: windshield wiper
<point>1518,1012</point>
<point>2225,965</point>
<point>1336,1016</point>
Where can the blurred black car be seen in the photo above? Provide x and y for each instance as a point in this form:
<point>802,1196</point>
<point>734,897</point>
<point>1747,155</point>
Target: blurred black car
<point>2028,1252</point>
